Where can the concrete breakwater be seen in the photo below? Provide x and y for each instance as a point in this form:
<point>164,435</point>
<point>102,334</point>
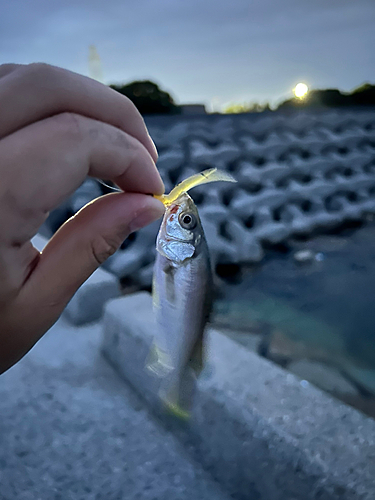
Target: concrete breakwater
<point>297,174</point>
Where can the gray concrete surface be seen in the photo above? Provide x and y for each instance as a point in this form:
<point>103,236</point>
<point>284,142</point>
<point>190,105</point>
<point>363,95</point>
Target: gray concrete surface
<point>261,432</point>
<point>87,304</point>
<point>70,429</point>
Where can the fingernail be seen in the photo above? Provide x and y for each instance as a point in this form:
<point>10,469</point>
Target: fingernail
<point>147,216</point>
<point>154,153</point>
<point>162,189</point>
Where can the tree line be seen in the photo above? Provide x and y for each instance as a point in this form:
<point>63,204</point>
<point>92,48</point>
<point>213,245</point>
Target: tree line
<point>333,98</point>
<point>150,99</point>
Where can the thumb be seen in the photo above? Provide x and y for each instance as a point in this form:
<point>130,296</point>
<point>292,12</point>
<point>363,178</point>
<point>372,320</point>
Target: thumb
<point>83,243</point>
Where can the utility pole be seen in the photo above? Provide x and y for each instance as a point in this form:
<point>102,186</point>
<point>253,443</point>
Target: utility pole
<point>95,65</point>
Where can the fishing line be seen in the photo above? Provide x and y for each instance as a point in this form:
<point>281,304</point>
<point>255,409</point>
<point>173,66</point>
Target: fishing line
<point>108,186</point>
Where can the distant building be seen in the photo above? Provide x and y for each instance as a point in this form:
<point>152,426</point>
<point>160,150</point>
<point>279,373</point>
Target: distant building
<point>193,109</point>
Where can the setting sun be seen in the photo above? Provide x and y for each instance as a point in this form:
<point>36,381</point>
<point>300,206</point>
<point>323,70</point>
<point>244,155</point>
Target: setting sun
<point>300,90</point>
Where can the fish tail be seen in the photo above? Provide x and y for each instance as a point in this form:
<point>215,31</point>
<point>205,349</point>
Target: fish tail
<point>171,400</point>
<point>176,410</point>
<point>177,394</point>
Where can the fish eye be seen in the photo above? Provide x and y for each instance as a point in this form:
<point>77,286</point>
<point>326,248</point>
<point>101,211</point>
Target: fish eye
<point>187,220</point>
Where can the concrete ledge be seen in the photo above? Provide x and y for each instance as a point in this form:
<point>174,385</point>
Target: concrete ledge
<point>128,329</point>
<point>87,303</point>
<point>260,431</point>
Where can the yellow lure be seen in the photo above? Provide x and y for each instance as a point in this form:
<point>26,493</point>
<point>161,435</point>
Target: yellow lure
<point>210,175</point>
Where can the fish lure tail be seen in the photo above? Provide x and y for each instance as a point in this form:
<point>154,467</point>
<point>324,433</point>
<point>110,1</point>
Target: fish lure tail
<point>210,175</point>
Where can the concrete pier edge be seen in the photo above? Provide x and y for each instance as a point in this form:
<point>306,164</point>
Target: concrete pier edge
<point>259,430</point>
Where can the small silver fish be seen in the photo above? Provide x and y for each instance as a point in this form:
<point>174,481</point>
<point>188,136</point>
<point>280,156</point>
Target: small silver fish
<point>182,295</point>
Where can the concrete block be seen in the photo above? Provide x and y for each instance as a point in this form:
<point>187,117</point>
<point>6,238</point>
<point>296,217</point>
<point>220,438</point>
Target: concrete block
<point>213,212</point>
<point>144,277</point>
<point>39,242</point>
<point>201,152</point>
<point>325,377</point>
<point>170,159</point>
<point>279,160</point>
<point>221,250</point>
<point>87,303</point>
<point>125,262</point>
<point>87,192</point>
<point>177,132</point>
<point>260,431</point>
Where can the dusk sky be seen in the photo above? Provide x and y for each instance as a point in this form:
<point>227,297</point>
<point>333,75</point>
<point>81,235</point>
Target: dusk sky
<point>210,51</point>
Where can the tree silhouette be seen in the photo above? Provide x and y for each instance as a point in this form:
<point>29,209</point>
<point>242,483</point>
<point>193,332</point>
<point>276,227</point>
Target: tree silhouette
<point>148,97</point>
<point>333,98</point>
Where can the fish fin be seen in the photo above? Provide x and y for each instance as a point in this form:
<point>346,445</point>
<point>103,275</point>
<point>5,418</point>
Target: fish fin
<point>158,362</point>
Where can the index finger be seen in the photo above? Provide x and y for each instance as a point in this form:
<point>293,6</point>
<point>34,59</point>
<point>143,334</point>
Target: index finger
<point>7,68</point>
<point>42,164</point>
<point>37,91</point>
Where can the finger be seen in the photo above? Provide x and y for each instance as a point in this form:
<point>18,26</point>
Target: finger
<point>37,91</point>
<point>16,264</point>
<point>73,253</point>
<point>42,164</point>
<point>5,69</point>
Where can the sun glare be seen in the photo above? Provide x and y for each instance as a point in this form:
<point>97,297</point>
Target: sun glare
<point>300,90</point>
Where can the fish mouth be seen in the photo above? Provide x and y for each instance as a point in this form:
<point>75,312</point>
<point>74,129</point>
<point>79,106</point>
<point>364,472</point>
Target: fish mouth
<point>193,241</point>
<point>168,238</point>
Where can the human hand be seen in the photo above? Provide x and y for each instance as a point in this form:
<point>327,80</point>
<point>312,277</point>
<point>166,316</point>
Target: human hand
<point>57,127</point>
